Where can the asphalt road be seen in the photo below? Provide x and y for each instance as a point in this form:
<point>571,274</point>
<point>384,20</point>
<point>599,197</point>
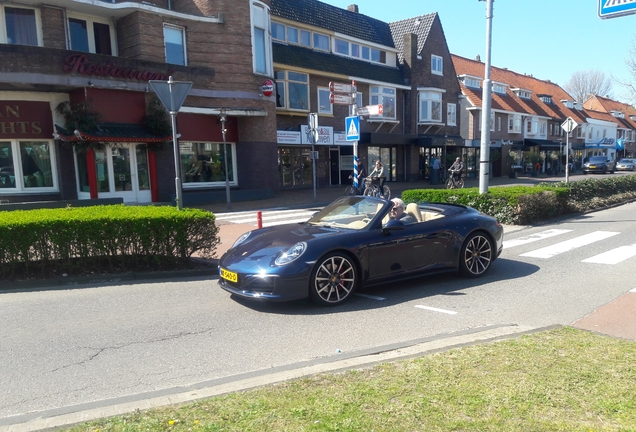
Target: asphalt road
<point>62,348</point>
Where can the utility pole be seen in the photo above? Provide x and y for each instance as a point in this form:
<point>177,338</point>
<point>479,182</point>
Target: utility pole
<point>484,159</point>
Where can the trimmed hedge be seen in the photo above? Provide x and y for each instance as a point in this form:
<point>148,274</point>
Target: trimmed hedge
<point>53,241</point>
<point>521,205</point>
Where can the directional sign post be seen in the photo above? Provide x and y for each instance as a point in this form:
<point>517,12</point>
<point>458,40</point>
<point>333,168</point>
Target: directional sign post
<point>616,8</point>
<point>172,94</point>
<point>345,94</point>
<point>370,110</point>
<point>568,126</point>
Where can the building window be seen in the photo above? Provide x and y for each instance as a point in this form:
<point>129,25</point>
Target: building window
<point>324,104</point>
<point>430,107</point>
<point>542,128</point>
<point>499,88</point>
<point>514,123</point>
<point>498,124</point>
<point>203,164</point>
<point>321,42</point>
<point>386,97</point>
<point>451,114</point>
<point>437,65</point>
<point>278,31</point>
<point>174,38</point>
<point>292,90</point>
<point>87,35</point>
<point>20,26</point>
<point>261,39</point>
<point>492,121</point>
<point>341,47</point>
<point>27,166</point>
<point>471,82</point>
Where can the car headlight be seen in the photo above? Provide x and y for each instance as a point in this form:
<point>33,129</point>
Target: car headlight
<point>241,239</point>
<point>291,254</point>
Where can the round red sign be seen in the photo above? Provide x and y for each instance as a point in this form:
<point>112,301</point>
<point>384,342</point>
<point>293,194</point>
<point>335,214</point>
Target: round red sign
<point>267,88</point>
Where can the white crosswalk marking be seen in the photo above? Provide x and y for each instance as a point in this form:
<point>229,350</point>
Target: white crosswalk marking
<point>568,245</point>
<point>614,256</point>
<point>270,217</point>
<point>507,244</point>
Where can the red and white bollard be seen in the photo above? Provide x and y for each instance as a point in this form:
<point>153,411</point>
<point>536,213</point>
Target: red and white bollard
<point>259,219</point>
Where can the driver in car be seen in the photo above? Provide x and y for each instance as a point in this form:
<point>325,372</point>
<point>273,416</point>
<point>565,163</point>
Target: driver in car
<point>397,212</point>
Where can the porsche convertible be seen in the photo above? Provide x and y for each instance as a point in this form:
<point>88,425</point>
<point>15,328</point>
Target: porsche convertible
<point>352,243</point>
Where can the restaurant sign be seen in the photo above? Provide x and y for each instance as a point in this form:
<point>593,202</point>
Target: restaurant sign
<point>79,63</point>
<point>25,119</point>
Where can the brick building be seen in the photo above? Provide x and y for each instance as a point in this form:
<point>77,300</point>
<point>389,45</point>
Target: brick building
<point>79,121</point>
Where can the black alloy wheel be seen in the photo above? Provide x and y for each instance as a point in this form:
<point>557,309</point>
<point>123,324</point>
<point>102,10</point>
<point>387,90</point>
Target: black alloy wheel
<point>476,255</point>
<point>333,280</point>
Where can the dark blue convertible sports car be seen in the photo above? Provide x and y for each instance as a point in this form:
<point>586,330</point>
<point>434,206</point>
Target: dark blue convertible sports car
<point>352,243</point>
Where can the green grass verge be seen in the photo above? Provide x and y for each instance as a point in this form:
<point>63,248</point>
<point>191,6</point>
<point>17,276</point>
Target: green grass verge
<point>558,380</point>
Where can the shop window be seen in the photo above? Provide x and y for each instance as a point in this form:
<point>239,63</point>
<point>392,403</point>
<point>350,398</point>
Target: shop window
<point>430,107</point>
<point>20,26</point>
<point>292,90</point>
<point>174,38</point>
<point>261,38</point>
<point>87,35</point>
<point>386,97</point>
<point>203,164</point>
<point>26,166</point>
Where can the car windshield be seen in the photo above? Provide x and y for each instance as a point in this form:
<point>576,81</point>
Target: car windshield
<point>597,159</point>
<point>626,161</point>
<point>353,212</point>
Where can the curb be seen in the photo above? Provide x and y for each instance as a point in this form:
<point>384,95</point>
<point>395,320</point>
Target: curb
<point>64,417</point>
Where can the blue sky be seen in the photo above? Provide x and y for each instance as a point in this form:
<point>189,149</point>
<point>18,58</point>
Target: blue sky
<point>548,39</point>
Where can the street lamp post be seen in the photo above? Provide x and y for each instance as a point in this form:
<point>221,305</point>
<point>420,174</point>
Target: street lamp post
<point>223,119</point>
<point>484,159</point>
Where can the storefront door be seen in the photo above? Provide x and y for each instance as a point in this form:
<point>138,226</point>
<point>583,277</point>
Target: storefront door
<point>122,171</point>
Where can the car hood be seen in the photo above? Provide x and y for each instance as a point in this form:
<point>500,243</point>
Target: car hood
<point>268,242</point>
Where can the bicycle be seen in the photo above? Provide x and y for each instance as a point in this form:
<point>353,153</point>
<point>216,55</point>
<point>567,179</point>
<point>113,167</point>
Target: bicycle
<point>351,190</point>
<point>372,188</point>
<point>454,183</point>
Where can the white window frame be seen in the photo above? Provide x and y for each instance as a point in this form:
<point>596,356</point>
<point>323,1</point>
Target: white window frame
<point>471,82</point>
<point>437,65</point>
<point>499,124</point>
<point>451,114</point>
<point>315,39</point>
<point>17,168</point>
<point>183,39</point>
<point>430,97</point>
<point>322,96</point>
<point>377,95</point>
<point>3,23</point>
<point>514,123</point>
<point>499,88</point>
<point>260,23</point>
<point>91,34</point>
<point>492,121</point>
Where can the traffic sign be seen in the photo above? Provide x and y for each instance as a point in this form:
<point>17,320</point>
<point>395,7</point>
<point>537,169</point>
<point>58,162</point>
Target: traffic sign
<point>615,8</point>
<point>340,99</point>
<point>335,87</point>
<point>352,126</point>
<point>371,110</point>
<point>171,93</point>
<point>569,124</point>
<point>267,87</point>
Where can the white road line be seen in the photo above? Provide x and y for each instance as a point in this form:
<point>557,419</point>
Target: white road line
<point>633,290</point>
<point>534,237</point>
<point>568,245</point>
<point>614,256</point>
<point>436,309</point>
<point>370,297</point>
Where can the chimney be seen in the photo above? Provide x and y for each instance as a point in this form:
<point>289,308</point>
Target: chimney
<point>353,8</point>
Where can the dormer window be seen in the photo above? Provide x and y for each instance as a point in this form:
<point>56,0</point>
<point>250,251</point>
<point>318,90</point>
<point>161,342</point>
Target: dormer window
<point>522,93</point>
<point>546,99</point>
<point>618,114</point>
<point>568,103</point>
<point>470,81</point>
<point>499,88</point>
<point>633,117</point>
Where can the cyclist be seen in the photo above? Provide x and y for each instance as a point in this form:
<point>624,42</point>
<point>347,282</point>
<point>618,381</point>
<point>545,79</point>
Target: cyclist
<point>456,169</point>
<point>378,173</point>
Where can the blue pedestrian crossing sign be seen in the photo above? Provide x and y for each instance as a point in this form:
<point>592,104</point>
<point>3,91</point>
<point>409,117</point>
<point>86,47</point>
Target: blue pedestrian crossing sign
<point>352,126</point>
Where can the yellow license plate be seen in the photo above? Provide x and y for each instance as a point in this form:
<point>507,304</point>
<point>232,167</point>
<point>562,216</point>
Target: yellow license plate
<point>231,276</point>
<point>592,166</point>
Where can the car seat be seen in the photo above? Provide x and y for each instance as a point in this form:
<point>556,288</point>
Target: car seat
<point>414,210</point>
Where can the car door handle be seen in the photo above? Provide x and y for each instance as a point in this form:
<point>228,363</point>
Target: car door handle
<point>432,236</point>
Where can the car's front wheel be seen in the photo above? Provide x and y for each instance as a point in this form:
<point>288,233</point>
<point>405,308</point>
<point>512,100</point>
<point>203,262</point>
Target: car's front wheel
<point>476,255</point>
<point>333,279</point>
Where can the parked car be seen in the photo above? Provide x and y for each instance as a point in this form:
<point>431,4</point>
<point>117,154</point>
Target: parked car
<point>352,244</point>
<point>626,165</point>
<point>599,164</point>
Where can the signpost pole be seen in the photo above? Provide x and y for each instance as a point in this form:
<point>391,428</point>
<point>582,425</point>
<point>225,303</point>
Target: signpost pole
<point>312,135</point>
<point>175,144</point>
<point>484,158</point>
<point>226,160</point>
<point>354,112</point>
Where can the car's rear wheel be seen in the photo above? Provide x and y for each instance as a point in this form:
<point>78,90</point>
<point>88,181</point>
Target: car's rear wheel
<point>333,279</point>
<point>476,255</point>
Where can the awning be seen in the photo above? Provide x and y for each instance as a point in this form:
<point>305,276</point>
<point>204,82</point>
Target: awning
<point>111,132</point>
<point>542,143</point>
<point>440,140</point>
<point>380,138</point>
